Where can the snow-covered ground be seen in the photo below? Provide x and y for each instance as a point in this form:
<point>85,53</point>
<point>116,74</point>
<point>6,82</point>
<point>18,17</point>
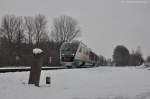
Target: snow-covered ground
<point>87,83</point>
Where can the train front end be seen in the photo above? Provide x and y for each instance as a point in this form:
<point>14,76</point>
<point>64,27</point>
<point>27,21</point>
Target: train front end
<point>67,54</point>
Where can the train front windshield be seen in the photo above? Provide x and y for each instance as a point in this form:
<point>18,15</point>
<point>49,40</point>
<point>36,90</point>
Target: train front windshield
<point>68,51</point>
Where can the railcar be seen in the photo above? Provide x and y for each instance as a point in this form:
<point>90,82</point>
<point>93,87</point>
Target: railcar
<point>77,54</point>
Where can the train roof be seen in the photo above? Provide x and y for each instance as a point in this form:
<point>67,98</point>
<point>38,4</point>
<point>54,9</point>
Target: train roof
<point>80,42</point>
<point>75,42</point>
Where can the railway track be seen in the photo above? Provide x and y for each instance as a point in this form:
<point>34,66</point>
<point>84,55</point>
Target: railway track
<point>21,69</point>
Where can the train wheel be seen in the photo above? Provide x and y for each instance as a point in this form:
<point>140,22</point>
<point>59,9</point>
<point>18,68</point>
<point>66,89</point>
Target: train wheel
<point>69,67</point>
<point>83,63</point>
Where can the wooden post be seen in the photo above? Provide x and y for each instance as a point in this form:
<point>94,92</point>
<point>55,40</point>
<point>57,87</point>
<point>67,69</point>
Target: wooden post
<point>35,71</point>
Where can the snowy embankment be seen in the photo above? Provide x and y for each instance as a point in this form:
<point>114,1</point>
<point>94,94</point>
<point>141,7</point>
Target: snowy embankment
<point>87,83</point>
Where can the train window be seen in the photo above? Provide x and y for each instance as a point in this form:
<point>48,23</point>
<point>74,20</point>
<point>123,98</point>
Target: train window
<point>80,50</point>
<point>87,52</point>
<point>84,51</point>
<point>69,46</point>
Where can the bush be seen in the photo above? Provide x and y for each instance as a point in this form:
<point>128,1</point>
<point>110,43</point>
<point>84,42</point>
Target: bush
<point>121,56</point>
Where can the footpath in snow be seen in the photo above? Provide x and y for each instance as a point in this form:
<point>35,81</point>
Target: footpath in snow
<point>87,83</point>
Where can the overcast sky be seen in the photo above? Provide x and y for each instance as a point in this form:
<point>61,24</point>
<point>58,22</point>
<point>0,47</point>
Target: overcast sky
<point>104,23</point>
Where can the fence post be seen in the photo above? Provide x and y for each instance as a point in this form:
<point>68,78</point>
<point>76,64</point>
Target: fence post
<point>35,72</point>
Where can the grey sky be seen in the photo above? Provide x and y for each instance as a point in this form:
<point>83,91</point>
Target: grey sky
<point>104,23</point>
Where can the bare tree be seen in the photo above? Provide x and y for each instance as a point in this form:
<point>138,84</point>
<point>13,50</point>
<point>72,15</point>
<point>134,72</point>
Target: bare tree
<point>29,29</point>
<point>8,27</point>
<point>19,38</point>
<point>65,29</point>
<point>19,32</point>
<point>102,60</point>
<point>40,29</point>
<point>12,30</point>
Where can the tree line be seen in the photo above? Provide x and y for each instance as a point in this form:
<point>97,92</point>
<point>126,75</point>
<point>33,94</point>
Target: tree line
<point>19,35</point>
<point>122,57</point>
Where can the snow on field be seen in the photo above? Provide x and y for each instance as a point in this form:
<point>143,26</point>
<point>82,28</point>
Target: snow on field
<point>87,83</point>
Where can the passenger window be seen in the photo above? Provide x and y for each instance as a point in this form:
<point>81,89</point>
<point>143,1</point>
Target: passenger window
<point>80,50</point>
<point>86,52</point>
